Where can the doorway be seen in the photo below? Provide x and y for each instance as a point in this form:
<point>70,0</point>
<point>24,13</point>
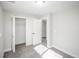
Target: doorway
<point>18,31</point>
<point>44,32</point>
<point>25,30</point>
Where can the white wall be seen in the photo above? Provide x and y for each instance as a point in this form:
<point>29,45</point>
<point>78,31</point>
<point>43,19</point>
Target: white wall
<point>66,31</point>
<point>1,33</point>
<point>8,29</point>
<point>49,30</point>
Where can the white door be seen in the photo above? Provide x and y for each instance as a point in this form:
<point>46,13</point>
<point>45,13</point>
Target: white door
<point>28,32</point>
<point>37,32</point>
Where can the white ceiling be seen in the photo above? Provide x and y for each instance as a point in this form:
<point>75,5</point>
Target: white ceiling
<point>31,8</point>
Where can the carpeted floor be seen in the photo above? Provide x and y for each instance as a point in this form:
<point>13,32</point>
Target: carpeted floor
<point>22,52</point>
<point>37,51</point>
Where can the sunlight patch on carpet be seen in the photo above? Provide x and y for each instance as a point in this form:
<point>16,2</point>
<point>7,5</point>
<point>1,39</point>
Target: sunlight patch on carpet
<point>51,54</point>
<point>40,49</point>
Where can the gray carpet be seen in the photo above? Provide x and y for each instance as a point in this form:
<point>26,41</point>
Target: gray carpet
<point>44,41</point>
<point>28,52</point>
<point>22,52</point>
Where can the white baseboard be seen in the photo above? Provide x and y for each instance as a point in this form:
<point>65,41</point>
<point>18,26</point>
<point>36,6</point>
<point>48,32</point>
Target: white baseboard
<point>6,50</point>
<point>66,52</point>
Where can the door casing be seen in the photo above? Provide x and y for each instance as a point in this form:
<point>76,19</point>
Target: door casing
<point>13,31</point>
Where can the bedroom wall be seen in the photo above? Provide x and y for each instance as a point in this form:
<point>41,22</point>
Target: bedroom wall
<point>8,28</point>
<point>7,31</point>
<point>66,31</point>
<point>49,30</point>
<point>1,33</point>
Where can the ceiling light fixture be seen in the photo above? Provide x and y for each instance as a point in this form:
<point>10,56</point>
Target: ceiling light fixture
<point>40,3</point>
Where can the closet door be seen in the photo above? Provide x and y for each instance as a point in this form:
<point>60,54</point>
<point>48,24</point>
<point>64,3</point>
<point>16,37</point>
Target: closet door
<point>29,32</point>
<point>37,32</point>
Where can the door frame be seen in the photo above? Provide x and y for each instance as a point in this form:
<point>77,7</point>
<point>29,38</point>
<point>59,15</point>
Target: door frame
<point>48,30</point>
<point>13,31</point>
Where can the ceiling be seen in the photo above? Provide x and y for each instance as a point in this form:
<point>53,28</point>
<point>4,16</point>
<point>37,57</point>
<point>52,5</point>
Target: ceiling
<point>33,9</point>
